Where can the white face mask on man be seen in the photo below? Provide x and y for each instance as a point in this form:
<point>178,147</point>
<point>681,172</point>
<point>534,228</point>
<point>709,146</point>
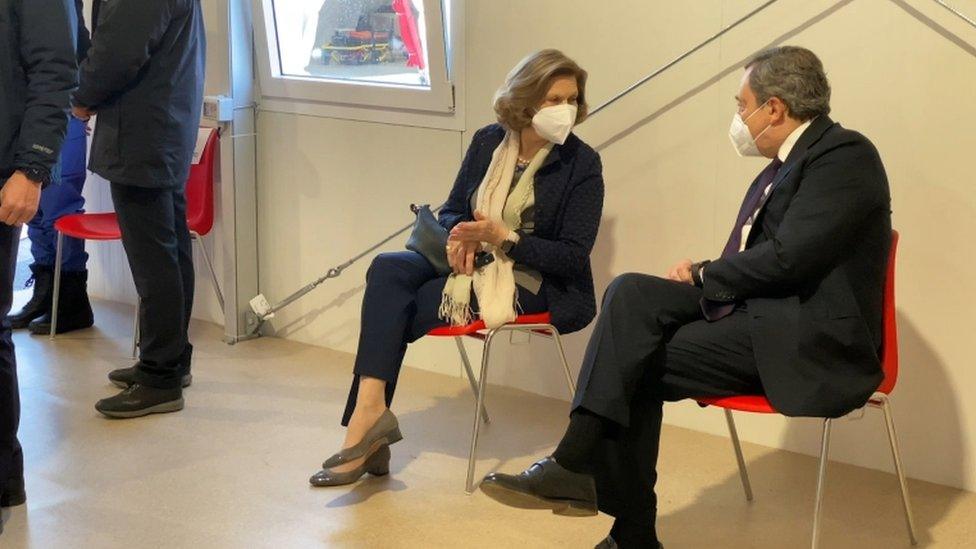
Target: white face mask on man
<point>554,123</point>
<point>741,137</point>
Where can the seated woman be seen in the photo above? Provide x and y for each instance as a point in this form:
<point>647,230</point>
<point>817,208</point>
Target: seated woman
<point>530,193</point>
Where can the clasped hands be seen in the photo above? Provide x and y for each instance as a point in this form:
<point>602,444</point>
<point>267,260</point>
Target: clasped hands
<point>681,272</point>
<point>466,238</point>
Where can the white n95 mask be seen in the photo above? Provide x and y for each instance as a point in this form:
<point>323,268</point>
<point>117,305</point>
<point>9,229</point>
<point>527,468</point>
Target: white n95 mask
<point>554,123</point>
<point>742,140</point>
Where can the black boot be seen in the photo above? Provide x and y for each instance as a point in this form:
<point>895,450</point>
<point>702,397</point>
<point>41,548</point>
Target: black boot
<point>74,309</point>
<point>40,301</point>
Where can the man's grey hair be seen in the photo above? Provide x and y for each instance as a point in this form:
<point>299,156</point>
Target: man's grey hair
<point>793,74</point>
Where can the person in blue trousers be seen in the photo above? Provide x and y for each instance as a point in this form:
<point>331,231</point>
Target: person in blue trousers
<point>62,197</point>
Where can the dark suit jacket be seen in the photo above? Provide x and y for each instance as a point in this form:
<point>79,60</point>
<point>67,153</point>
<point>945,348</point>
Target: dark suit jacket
<point>144,77</point>
<point>568,207</point>
<point>812,274</point>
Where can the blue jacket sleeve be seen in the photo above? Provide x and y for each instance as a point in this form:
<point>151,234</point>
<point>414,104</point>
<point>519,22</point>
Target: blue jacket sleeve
<point>567,255</point>
<point>47,51</point>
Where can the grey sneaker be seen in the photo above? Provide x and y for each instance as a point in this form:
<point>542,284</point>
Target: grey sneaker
<point>139,400</point>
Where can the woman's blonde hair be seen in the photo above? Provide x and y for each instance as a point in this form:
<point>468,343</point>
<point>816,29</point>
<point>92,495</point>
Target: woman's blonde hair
<point>528,83</point>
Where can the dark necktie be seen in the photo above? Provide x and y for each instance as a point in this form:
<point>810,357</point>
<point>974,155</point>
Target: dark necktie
<point>714,310</point>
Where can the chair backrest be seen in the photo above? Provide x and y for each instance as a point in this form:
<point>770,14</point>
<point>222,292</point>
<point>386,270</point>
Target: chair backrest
<point>199,189</point>
<point>889,346</point>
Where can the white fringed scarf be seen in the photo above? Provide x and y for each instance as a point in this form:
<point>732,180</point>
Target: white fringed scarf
<point>494,284</point>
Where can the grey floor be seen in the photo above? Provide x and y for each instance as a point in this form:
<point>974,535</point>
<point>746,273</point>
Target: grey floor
<point>230,470</point>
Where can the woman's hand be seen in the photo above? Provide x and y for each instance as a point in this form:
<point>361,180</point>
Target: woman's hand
<point>460,255</point>
<point>481,229</point>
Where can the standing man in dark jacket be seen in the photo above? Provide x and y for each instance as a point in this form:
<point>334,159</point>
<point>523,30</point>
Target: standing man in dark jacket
<point>144,78</point>
<point>790,310</point>
<point>63,197</point>
<point>38,70</point>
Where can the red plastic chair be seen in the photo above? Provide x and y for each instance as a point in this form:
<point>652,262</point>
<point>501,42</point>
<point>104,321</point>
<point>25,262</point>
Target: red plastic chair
<point>105,226</point>
<point>534,324</point>
<point>889,364</point>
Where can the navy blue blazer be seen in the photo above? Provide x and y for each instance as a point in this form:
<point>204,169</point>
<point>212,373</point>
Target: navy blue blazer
<point>568,207</point>
<point>812,275</point>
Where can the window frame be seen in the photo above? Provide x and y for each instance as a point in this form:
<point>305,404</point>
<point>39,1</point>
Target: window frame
<point>438,99</point>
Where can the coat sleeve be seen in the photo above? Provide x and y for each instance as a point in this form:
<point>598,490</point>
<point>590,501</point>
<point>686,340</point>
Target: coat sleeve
<point>84,37</point>
<point>128,33</point>
<point>47,52</point>
<point>838,190</point>
<point>566,255</point>
<point>455,209</point>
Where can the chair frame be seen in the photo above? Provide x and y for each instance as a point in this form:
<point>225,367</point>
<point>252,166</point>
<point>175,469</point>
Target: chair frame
<point>195,238</point>
<point>878,400</point>
<point>479,386</point>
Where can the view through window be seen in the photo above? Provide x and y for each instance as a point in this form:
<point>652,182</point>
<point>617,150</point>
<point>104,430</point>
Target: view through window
<point>367,41</point>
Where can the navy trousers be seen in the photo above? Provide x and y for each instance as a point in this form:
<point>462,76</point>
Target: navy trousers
<point>158,245</point>
<point>651,344</point>
<point>11,455</point>
<point>62,197</point>
<point>403,294</point>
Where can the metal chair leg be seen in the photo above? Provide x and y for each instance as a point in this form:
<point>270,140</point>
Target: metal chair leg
<point>467,369</point>
<point>562,356</point>
<point>743,472</point>
<point>899,468</point>
<point>135,330</point>
<point>57,285</point>
<point>821,478</point>
<point>213,274</point>
<point>482,386</point>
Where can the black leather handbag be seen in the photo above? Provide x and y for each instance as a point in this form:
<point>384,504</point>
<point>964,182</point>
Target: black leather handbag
<point>429,239</point>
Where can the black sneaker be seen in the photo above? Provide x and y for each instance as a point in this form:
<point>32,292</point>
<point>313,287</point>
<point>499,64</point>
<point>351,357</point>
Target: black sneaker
<point>124,377</point>
<point>139,400</point>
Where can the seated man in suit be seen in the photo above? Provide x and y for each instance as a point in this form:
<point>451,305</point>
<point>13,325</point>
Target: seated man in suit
<point>791,309</point>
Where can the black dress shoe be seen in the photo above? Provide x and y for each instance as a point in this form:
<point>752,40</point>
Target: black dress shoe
<point>140,400</point>
<point>544,485</point>
<point>13,493</point>
<point>609,543</point>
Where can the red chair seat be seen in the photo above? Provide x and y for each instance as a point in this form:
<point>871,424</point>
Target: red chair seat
<point>96,226</point>
<point>478,325</point>
<point>745,403</point>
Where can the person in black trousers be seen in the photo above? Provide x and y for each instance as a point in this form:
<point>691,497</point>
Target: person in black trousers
<point>554,184</point>
<point>144,78</point>
<point>791,309</point>
<point>38,70</point>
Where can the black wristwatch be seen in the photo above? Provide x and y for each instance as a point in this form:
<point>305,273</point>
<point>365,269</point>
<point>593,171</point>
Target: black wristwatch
<point>37,175</point>
<point>507,244</point>
<point>696,272</point>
